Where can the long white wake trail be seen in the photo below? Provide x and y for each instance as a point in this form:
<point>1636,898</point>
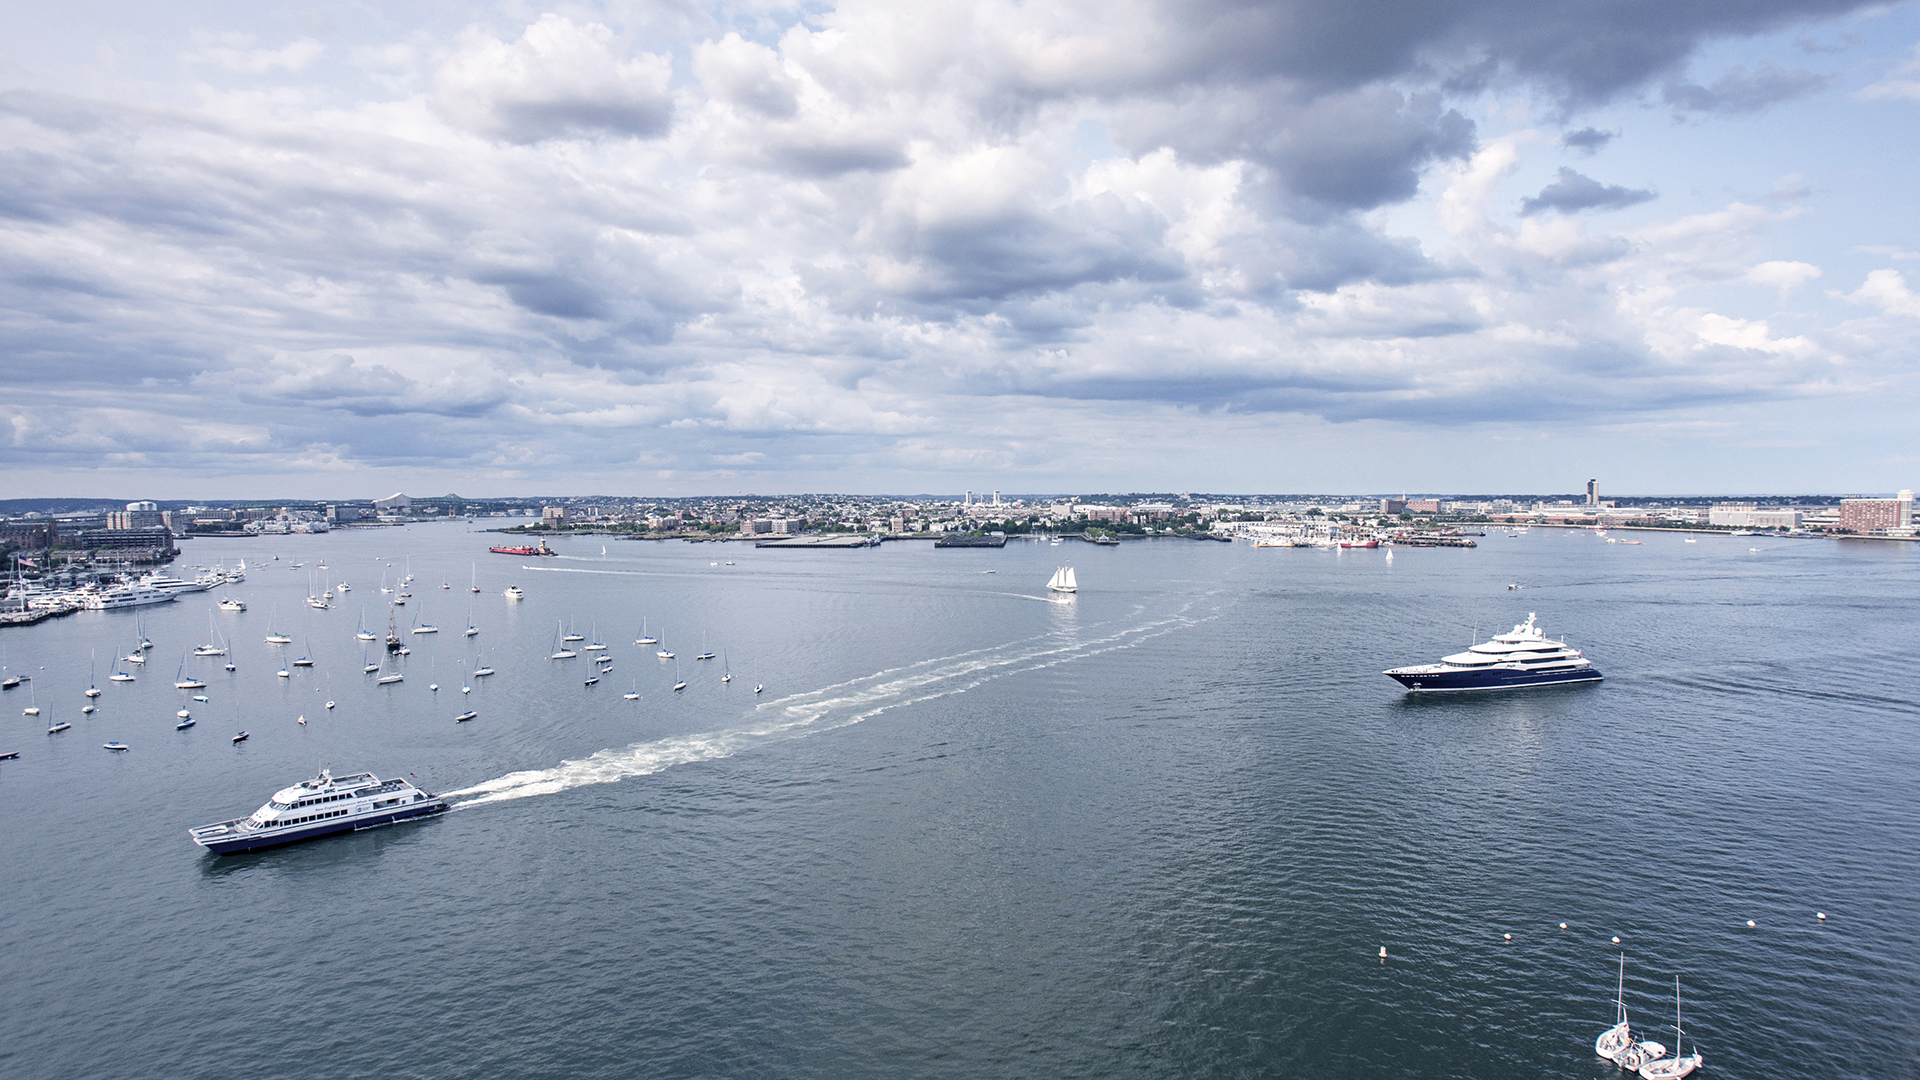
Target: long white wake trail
<point>816,711</point>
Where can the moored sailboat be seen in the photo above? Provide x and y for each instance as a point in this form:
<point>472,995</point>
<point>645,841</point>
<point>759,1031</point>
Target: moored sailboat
<point>1675,1067</point>
<point>1617,1043</point>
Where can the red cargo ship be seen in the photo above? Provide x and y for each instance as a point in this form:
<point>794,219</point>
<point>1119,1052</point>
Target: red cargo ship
<point>543,549</point>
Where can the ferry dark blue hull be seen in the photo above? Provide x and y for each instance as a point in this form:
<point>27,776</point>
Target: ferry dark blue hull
<point>1498,679</point>
<point>256,840</point>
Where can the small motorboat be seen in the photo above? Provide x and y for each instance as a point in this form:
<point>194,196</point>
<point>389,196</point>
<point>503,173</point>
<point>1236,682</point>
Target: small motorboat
<point>115,746</point>
<point>465,716</point>
<point>240,737</point>
<point>86,710</point>
<point>199,697</point>
<point>329,705</point>
<point>183,714</point>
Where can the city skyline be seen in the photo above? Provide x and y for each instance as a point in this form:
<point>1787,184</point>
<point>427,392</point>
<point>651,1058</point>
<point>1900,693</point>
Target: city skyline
<point>864,249</point>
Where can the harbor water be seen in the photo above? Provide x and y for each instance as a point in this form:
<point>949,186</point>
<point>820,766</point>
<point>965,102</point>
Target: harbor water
<point>1160,829</point>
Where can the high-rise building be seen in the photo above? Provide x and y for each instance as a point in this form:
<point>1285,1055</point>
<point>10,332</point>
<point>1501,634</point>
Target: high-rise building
<point>1872,515</point>
<point>1593,494</point>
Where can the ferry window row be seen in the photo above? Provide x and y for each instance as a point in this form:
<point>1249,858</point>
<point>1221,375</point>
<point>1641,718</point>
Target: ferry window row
<point>304,820</point>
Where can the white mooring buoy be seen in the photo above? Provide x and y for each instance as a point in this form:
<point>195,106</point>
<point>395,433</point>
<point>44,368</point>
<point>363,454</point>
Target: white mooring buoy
<point>1821,915</point>
<point>1509,937</point>
<point>1563,926</point>
<point>1616,941</point>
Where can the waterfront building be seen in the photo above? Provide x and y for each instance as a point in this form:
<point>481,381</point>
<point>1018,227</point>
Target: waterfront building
<point>150,544</point>
<point>554,517</point>
<point>137,515</point>
<point>1874,515</point>
<point>1749,516</point>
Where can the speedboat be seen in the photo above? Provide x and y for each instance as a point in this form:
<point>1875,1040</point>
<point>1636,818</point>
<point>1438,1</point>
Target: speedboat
<point>319,807</point>
<point>1523,657</point>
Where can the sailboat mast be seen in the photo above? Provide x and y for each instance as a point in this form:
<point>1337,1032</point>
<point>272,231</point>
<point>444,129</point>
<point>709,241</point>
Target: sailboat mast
<point>1678,1038</point>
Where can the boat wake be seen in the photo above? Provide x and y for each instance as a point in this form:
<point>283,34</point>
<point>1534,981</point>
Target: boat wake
<point>816,711</point>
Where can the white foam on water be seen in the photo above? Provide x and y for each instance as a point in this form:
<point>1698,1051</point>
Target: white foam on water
<point>814,711</point>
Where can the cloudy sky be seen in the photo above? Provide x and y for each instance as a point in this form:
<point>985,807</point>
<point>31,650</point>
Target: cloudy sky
<point>680,247</point>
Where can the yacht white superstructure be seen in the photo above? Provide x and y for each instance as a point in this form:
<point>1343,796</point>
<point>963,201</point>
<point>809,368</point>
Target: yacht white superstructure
<point>1525,656</point>
<point>123,596</point>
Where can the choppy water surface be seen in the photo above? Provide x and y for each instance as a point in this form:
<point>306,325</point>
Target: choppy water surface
<point>1160,830</point>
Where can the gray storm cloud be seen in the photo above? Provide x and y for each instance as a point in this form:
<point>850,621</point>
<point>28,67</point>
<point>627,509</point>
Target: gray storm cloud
<point>527,246</point>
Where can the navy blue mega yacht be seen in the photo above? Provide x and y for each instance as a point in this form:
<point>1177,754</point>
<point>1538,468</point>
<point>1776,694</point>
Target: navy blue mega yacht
<point>1526,657</point>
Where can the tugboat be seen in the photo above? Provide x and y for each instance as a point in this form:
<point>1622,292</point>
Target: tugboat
<point>1522,658</point>
<point>319,807</point>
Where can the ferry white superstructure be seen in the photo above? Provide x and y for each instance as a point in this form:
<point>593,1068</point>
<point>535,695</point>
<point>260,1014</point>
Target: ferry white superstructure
<point>319,807</point>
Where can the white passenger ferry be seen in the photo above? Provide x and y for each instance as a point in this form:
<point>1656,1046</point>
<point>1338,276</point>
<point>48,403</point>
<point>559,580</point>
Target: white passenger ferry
<point>319,807</point>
